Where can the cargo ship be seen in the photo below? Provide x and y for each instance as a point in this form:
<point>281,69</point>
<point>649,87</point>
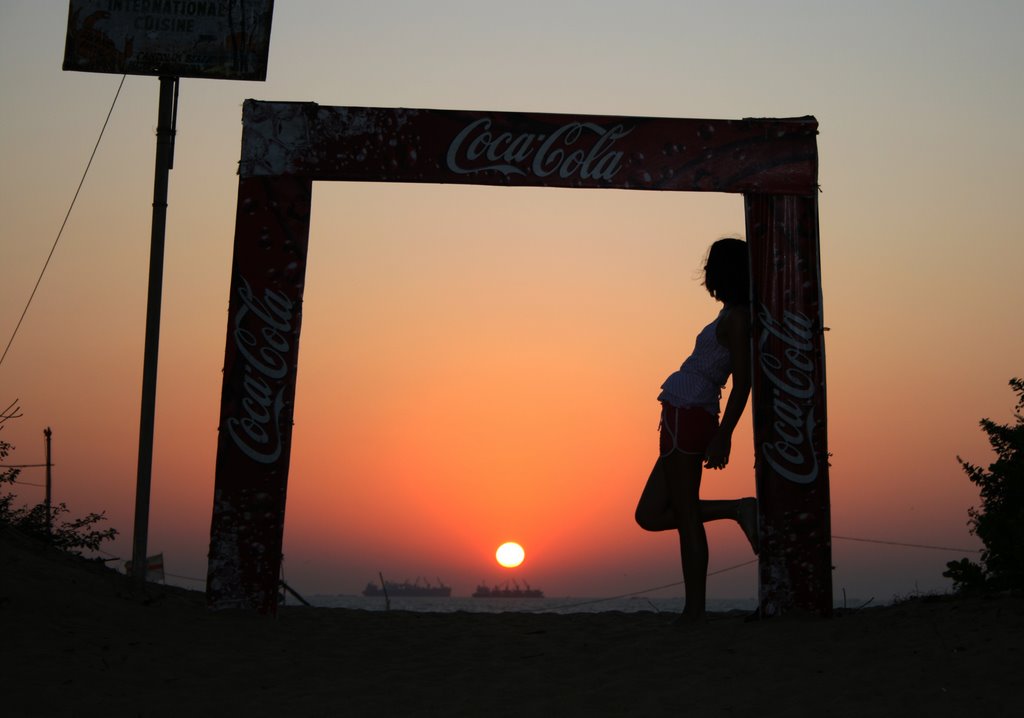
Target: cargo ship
<point>505,591</point>
<point>416,589</point>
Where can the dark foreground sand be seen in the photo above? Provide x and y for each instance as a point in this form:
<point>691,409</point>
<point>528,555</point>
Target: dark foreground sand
<point>75,643</point>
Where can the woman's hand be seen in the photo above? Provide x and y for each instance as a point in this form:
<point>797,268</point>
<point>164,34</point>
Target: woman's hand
<point>717,455</point>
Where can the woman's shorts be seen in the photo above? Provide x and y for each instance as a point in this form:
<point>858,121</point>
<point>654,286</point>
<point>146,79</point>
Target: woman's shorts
<point>687,430</point>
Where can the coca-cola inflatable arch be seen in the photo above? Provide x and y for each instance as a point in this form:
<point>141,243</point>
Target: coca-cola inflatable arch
<point>287,146</point>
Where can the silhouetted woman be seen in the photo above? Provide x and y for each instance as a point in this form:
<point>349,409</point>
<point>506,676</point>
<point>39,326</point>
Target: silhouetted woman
<point>692,436</point>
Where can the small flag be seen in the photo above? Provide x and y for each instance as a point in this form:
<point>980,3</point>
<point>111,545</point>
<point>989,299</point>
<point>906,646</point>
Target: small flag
<point>154,568</point>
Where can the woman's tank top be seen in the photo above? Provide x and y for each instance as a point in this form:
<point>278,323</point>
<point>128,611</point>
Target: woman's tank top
<point>700,379</point>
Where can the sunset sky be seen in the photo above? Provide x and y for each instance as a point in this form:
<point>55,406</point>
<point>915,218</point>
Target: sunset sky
<point>481,364</point>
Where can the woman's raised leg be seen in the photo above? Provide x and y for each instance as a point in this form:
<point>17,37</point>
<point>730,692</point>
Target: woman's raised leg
<point>742,511</point>
<point>654,510</point>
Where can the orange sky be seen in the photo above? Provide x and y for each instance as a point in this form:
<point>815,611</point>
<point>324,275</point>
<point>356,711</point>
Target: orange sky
<point>481,364</point>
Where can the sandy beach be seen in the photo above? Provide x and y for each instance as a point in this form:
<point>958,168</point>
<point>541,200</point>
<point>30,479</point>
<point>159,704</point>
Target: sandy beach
<point>77,642</point>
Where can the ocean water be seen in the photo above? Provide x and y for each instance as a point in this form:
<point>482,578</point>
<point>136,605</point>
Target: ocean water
<point>564,605</point>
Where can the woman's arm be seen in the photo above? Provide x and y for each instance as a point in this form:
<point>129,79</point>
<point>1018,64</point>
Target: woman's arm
<point>734,333</point>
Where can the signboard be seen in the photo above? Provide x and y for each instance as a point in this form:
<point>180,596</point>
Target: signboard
<point>216,39</point>
<point>286,146</point>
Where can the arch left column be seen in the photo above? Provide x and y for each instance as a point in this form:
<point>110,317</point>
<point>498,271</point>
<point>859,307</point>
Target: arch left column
<point>258,392</point>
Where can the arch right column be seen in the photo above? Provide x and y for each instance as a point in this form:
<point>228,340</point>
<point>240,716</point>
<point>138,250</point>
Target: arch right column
<point>789,410</point>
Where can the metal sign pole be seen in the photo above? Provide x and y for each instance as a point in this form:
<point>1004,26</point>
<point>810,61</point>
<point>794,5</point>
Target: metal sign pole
<point>164,162</point>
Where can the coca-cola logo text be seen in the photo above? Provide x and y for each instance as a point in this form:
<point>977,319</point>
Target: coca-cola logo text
<point>260,334</point>
<point>790,375</point>
<point>583,149</point>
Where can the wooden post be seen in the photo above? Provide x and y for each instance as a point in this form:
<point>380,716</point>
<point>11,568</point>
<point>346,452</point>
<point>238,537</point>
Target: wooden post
<point>49,483</point>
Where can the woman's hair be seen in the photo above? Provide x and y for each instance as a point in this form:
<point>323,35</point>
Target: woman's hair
<point>727,271</point>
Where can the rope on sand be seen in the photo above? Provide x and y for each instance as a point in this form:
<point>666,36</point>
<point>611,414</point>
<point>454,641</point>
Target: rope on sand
<point>637,593</point>
<point>909,545</point>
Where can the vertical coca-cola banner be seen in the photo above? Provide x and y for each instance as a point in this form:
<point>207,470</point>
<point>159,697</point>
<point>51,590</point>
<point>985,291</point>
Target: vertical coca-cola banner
<point>254,442</point>
<point>791,452</point>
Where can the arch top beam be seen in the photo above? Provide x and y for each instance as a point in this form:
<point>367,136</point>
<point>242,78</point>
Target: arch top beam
<point>378,144</point>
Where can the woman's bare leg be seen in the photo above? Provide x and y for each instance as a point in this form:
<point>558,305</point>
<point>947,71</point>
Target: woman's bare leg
<point>671,500</point>
<point>742,511</point>
<point>683,472</point>
<point>653,510</point>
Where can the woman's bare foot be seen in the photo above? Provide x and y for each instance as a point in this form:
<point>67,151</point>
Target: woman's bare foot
<point>746,515</point>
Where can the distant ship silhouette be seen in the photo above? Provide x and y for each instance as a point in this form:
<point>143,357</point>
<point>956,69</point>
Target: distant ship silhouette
<point>418,588</point>
<point>504,591</point>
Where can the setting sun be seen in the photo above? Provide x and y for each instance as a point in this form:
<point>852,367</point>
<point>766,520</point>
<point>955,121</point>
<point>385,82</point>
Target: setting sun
<point>510,554</point>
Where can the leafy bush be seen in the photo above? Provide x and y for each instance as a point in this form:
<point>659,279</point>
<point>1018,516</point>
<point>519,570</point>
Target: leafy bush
<point>999,523</point>
<point>74,535</point>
